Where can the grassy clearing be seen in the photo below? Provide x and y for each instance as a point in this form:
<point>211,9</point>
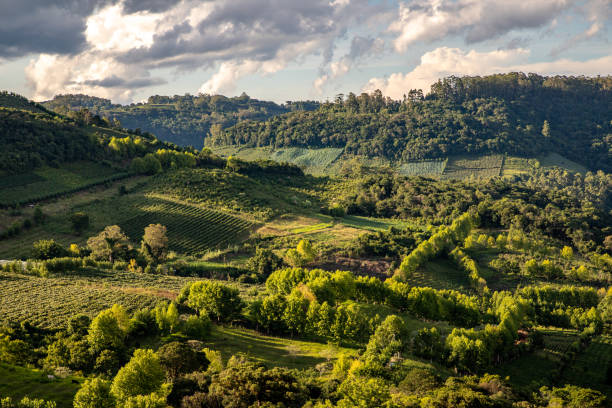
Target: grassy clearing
<point>372,224</point>
<point>273,351</point>
<point>423,168</point>
<point>556,160</point>
<point>47,182</point>
<point>460,167</point>
<point>18,382</point>
<point>440,274</point>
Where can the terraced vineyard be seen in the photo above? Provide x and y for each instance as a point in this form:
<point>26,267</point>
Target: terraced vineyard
<point>423,168</point>
<point>477,167</point>
<point>191,229</point>
<point>48,182</point>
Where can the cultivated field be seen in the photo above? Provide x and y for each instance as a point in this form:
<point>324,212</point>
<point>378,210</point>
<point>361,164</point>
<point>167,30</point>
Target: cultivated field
<point>48,182</point>
<point>473,167</point>
<point>431,168</point>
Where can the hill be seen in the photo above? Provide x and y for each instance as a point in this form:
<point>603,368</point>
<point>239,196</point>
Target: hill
<point>183,120</point>
<point>515,114</point>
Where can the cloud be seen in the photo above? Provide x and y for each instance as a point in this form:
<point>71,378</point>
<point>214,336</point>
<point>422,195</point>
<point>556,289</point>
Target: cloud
<point>444,61</point>
<point>49,75</point>
<point>597,13</point>
<point>475,20</point>
<point>237,37</point>
<point>361,47</point>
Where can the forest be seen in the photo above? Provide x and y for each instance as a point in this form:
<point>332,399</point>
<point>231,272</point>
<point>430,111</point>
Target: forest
<point>137,273</point>
<point>514,113</point>
<point>184,120</point>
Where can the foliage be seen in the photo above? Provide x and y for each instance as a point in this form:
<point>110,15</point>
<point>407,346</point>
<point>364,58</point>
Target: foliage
<point>142,375</point>
<point>215,300</point>
<point>111,244</point>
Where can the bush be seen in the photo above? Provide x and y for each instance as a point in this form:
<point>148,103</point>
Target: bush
<point>48,249</point>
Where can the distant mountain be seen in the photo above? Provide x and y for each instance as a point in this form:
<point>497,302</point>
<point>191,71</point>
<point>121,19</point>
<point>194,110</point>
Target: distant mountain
<point>183,120</point>
<point>518,114</point>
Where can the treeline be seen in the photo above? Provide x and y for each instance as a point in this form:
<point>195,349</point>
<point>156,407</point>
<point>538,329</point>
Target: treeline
<point>181,119</point>
<point>525,115</point>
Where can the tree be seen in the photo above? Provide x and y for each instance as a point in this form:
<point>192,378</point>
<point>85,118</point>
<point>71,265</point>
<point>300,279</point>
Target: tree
<point>215,300</point>
<point>79,221</point>
<point>179,358</point>
<point>167,317</point>
<point>154,245</point>
<point>105,333</point>
<point>567,253</point>
<point>48,249</point>
<point>264,262</point>
<point>142,375</point>
<point>94,393</point>
<point>109,244</point>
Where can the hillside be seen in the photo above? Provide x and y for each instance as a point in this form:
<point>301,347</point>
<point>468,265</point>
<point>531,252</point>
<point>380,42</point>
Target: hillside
<point>515,114</point>
<point>231,277</point>
<point>183,120</point>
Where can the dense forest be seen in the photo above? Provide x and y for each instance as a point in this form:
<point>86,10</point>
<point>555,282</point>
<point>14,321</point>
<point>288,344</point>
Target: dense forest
<point>518,114</point>
<point>185,120</point>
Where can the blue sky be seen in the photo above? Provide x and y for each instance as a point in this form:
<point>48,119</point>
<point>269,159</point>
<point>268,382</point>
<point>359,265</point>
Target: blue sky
<point>126,50</point>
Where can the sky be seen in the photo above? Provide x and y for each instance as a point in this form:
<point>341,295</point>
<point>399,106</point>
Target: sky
<point>280,50</point>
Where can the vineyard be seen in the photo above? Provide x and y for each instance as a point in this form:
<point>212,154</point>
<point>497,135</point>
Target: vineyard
<point>312,160</point>
<point>191,229</point>
<point>49,303</point>
<point>423,168</point>
<point>476,167</point>
<point>48,182</point>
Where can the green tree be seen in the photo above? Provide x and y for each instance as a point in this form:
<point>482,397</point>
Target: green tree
<point>48,249</point>
<point>105,332</point>
<point>142,375</point>
<point>154,246</point>
<point>215,300</point>
<point>94,393</point>
<point>567,253</point>
<point>109,244</point>
<point>179,358</point>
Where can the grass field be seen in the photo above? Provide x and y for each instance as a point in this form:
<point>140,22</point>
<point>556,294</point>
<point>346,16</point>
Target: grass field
<point>459,167</point>
<point>48,182</point>
<point>18,382</point>
<point>273,351</point>
<point>514,166</point>
<point>432,168</point>
<point>440,274</point>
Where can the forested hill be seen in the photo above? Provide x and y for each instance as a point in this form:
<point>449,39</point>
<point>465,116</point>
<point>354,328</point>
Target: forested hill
<point>31,136</point>
<point>184,120</point>
<point>513,113</point>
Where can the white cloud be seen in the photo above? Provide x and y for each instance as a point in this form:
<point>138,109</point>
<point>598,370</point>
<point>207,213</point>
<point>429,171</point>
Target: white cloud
<point>478,20</point>
<point>111,30</point>
<point>444,61</point>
